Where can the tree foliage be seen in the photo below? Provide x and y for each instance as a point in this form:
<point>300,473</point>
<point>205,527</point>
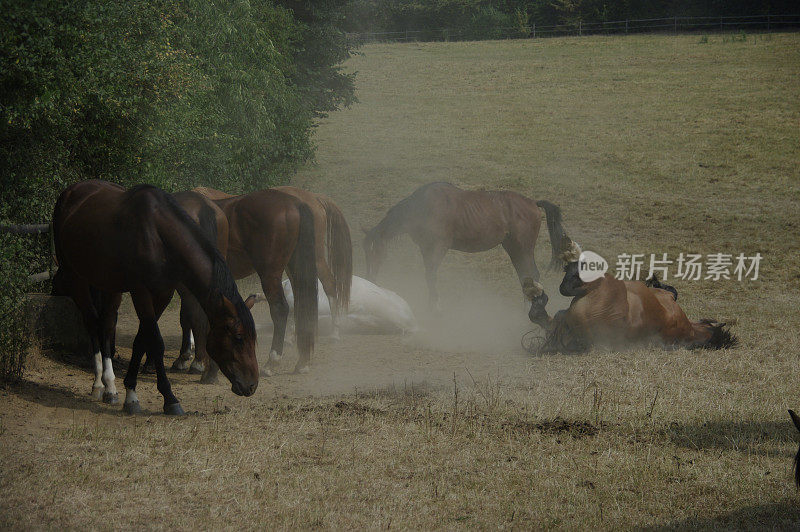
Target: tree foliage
<point>173,93</point>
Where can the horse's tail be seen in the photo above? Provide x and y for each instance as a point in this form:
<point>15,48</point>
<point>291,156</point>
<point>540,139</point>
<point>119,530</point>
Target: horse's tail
<point>796,420</point>
<point>556,229</point>
<point>303,266</point>
<point>340,251</point>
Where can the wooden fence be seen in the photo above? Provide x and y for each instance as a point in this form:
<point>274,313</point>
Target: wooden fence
<point>34,229</point>
<point>765,23</point>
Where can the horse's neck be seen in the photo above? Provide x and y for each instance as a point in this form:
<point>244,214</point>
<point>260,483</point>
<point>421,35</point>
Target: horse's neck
<point>394,224</point>
<point>196,266</point>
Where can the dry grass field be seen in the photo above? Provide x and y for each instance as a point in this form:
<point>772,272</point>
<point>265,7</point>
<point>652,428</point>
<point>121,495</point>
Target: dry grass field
<point>650,144</point>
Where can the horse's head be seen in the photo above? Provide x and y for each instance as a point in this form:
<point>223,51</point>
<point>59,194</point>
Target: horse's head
<point>375,251</point>
<point>231,344</point>
<point>572,285</point>
<point>712,334</point>
<point>534,292</point>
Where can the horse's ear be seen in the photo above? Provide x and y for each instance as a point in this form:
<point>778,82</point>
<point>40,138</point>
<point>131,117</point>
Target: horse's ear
<point>252,299</point>
<point>230,308</point>
<point>531,288</point>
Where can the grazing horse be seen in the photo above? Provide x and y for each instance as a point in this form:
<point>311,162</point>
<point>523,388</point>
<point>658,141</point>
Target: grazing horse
<point>441,216</point>
<point>334,264</point>
<point>617,313</point>
<point>269,232</point>
<point>109,240</point>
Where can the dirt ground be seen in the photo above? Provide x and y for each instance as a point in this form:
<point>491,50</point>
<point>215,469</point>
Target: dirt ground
<point>649,144</point>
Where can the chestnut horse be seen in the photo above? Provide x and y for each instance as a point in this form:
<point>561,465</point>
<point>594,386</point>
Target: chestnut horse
<point>334,249</point>
<point>617,313</point>
<point>441,216</point>
<point>109,240</point>
<point>267,232</point>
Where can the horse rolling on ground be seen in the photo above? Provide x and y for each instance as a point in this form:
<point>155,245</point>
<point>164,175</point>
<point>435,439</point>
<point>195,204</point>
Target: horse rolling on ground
<point>109,240</point>
<point>440,216</point>
<point>616,313</point>
<point>269,232</point>
<point>333,250</point>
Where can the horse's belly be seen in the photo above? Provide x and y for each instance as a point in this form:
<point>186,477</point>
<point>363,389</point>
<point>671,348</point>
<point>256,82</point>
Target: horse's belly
<point>475,246</point>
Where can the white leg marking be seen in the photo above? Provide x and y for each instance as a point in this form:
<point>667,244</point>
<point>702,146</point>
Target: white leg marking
<point>191,341</point>
<point>98,370</point>
<point>108,376</point>
<point>130,396</point>
<point>274,357</point>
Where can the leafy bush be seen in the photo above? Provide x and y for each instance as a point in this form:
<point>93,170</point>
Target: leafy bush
<point>172,93</point>
<point>14,342</point>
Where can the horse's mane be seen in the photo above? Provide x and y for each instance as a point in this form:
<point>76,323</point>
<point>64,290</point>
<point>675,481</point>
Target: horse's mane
<point>222,281</point>
<point>721,338</point>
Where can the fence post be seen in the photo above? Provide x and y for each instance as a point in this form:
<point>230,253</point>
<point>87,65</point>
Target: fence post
<point>675,25</point>
<point>580,31</point>
<point>534,30</point>
<point>767,22</point>
<point>626,27</point>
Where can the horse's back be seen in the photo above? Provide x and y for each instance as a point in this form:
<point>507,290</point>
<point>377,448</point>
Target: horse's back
<point>110,236</point>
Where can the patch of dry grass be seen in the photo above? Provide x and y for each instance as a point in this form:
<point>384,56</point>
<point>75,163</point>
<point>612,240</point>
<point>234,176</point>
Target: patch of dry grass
<point>649,144</point>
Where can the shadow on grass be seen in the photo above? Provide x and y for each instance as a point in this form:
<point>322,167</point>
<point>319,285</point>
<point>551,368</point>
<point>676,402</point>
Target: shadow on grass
<point>55,396</point>
<point>758,437</point>
<point>782,515</point>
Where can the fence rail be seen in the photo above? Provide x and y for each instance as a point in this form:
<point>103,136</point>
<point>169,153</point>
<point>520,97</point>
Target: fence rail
<point>650,25</point>
<point>34,229</point>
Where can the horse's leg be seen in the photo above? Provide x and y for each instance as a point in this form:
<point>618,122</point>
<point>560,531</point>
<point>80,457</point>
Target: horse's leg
<point>108,325</point>
<point>149,308</point>
<point>279,312</point>
<point>198,321</point>
<point>80,293</point>
<point>522,258</point>
<point>329,286</point>
<point>202,362</point>
<point>182,362</point>
<point>432,256</point>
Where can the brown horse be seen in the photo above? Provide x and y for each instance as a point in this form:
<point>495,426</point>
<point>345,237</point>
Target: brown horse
<point>214,225</point>
<point>267,232</point>
<point>441,216</point>
<point>619,314</point>
<point>334,249</point>
<point>109,240</point>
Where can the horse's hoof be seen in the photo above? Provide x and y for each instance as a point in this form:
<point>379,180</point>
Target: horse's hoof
<point>301,370</point>
<point>132,408</point>
<point>209,379</point>
<point>174,409</point>
<point>98,392</point>
<point>181,364</point>
<point>266,372</point>
<point>274,357</point>
<point>111,398</point>
<point>197,368</point>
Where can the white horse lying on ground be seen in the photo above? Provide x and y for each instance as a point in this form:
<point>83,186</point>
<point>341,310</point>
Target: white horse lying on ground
<point>373,310</point>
